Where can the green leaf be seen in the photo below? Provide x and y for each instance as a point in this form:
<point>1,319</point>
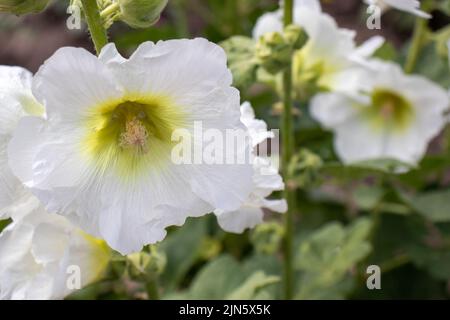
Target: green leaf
<point>225,277</point>
<point>326,256</point>
<point>368,197</point>
<point>241,60</point>
<point>431,65</point>
<point>435,205</point>
<point>182,250</point>
<point>363,169</point>
<point>254,284</point>
<point>444,6</point>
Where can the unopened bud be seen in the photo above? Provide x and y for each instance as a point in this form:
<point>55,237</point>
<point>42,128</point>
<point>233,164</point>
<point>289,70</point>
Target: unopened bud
<point>141,13</point>
<point>267,237</point>
<point>295,36</point>
<point>273,52</point>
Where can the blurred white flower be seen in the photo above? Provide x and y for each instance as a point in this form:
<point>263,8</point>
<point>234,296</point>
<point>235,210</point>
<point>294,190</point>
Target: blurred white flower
<point>103,155</point>
<point>40,252</point>
<point>266,180</point>
<point>16,101</point>
<point>330,59</point>
<point>411,6</point>
<point>393,116</point>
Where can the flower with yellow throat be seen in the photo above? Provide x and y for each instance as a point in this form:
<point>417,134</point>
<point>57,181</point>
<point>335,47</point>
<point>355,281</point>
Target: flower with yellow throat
<point>103,154</point>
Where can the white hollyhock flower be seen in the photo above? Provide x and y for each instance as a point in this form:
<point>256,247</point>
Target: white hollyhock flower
<point>40,252</point>
<point>395,116</point>
<point>411,6</point>
<point>330,58</point>
<point>103,155</point>
<point>265,181</point>
<point>16,101</point>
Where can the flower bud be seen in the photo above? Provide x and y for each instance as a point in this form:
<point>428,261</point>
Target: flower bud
<point>143,263</point>
<point>22,6</point>
<point>267,237</point>
<point>273,52</point>
<point>141,13</point>
<point>295,36</point>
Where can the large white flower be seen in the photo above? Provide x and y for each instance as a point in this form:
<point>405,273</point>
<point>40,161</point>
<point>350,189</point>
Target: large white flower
<point>266,180</point>
<point>395,116</point>
<point>411,6</point>
<point>330,59</point>
<point>103,155</point>
<point>40,253</point>
<point>16,101</point>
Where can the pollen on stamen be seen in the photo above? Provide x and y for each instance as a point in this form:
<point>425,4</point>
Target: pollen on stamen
<point>134,136</point>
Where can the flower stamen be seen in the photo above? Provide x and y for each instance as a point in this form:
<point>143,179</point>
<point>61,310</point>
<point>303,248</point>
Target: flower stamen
<point>134,136</point>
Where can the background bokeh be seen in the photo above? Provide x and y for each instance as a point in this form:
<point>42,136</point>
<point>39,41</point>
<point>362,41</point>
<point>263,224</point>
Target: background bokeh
<point>413,249</point>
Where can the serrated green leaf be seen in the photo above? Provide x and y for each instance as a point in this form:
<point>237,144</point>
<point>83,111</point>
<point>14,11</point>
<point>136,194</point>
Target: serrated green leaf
<point>326,256</point>
<point>181,248</point>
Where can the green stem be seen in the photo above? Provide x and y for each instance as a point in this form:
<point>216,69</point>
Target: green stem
<point>394,263</point>
<point>417,41</point>
<point>151,286</point>
<point>95,24</point>
<point>287,150</point>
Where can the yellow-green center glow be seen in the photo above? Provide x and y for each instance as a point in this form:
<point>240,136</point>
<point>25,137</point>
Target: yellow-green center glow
<point>389,110</point>
<point>132,134</point>
<point>312,71</point>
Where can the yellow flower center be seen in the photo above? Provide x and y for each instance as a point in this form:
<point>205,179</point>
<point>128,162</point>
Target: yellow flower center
<point>389,110</point>
<point>132,134</point>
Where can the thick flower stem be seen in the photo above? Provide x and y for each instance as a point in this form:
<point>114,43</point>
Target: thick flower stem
<point>418,39</point>
<point>287,150</point>
<point>416,45</point>
<point>95,24</point>
<point>151,286</point>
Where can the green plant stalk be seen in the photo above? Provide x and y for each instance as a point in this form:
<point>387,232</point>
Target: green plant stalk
<point>417,42</point>
<point>151,286</point>
<point>287,135</point>
<point>416,45</point>
<point>95,24</point>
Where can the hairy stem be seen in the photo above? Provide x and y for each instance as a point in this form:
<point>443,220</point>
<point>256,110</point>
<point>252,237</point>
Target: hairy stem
<point>95,24</point>
<point>417,42</point>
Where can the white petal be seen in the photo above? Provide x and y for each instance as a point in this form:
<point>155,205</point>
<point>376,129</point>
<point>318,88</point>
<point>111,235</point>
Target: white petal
<point>72,81</point>
<point>36,251</point>
<point>238,221</point>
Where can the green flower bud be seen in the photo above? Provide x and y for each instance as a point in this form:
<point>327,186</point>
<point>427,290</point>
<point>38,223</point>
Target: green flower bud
<point>146,263</point>
<point>304,167</point>
<point>273,52</point>
<point>267,237</point>
<point>22,6</point>
<point>209,248</point>
<point>295,36</point>
<point>141,13</point>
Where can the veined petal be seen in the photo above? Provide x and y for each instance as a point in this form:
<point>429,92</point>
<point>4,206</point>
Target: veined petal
<point>16,101</point>
<point>38,248</point>
<point>103,156</point>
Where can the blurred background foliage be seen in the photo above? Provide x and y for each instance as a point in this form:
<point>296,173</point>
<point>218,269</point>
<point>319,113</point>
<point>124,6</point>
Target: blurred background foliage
<point>348,217</point>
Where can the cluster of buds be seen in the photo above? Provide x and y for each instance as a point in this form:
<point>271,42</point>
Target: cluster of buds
<point>135,13</point>
<point>274,50</point>
<point>144,263</point>
<point>267,237</point>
